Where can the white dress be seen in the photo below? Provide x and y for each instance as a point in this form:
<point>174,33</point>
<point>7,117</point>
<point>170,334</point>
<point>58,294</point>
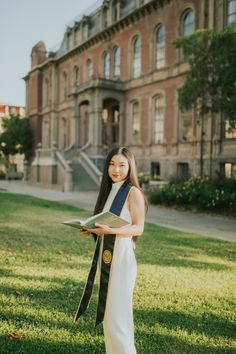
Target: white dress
<point>118,320</point>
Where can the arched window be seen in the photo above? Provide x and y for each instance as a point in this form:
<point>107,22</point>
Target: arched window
<point>135,123</point>
<point>76,75</point>
<point>158,121</point>
<point>231,11</point>
<point>116,71</point>
<point>160,47</point>
<point>106,65</point>
<point>64,86</point>
<point>136,57</point>
<point>89,65</point>
<point>188,22</point>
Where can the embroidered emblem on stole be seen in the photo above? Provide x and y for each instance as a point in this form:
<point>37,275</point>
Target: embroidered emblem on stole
<point>108,246</point>
<point>107,257</point>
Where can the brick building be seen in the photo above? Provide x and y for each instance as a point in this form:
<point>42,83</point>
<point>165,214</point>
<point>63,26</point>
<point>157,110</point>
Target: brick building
<point>114,81</point>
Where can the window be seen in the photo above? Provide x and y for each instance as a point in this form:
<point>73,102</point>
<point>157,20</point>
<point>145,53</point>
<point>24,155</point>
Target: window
<point>159,111</point>
<point>89,69</point>
<point>77,35</point>
<point>231,11</point>
<point>183,171</point>
<point>117,62</point>
<point>105,17</point>
<point>115,11</point>
<point>106,65</point>
<point>84,31</point>
<point>230,132</point>
<point>136,57</point>
<point>135,123</point>
<point>155,169</point>
<point>69,41</point>
<point>188,23</point>
<point>160,47</point>
<point>228,170</point>
<point>76,75</point>
<point>64,86</point>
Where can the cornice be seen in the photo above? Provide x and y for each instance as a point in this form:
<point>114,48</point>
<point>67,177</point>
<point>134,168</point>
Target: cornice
<point>107,33</point>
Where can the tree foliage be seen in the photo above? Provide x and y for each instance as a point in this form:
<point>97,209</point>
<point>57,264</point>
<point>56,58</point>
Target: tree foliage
<point>211,81</point>
<point>17,137</point>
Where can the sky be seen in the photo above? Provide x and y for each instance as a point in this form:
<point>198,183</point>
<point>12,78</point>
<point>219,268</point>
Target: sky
<point>23,24</point>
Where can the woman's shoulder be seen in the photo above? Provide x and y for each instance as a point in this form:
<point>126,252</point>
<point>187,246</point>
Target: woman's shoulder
<point>135,194</point>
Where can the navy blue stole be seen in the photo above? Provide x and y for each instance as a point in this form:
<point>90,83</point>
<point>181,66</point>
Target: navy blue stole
<point>108,245</point>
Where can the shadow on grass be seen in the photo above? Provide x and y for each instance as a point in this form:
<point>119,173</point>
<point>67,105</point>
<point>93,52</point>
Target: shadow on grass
<point>61,305</point>
<point>164,247</point>
<point>207,325</point>
<point>49,312</point>
<point>170,344</point>
<point>63,295</point>
<point>40,346</point>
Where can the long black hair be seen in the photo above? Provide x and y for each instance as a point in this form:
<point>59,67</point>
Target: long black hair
<point>106,182</point>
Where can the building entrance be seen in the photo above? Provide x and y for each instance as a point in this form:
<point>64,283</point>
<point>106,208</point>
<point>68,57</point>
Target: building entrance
<point>110,123</point>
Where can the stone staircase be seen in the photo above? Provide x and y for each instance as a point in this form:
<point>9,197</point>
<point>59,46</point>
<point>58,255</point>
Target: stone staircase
<point>81,179</point>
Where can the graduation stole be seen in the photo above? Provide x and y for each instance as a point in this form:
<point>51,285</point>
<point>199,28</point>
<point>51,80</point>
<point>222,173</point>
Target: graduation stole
<point>108,245</point>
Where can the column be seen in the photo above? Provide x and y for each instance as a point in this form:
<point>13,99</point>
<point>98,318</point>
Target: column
<point>53,139</point>
<point>211,14</point>
<point>75,126</point>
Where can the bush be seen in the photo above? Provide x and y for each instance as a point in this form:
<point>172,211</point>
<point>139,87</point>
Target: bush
<point>143,178</point>
<point>2,175</point>
<point>209,195</point>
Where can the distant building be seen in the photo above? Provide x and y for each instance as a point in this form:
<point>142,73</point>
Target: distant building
<point>7,110</point>
<point>114,81</point>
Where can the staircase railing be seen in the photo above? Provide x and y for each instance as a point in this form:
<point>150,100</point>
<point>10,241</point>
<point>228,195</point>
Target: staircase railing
<point>90,167</point>
<point>65,165</point>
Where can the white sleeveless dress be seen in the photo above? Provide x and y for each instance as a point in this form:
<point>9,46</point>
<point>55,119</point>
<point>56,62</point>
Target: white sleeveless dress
<point>118,320</point>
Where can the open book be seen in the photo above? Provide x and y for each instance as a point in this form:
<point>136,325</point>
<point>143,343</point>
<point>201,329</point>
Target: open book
<point>105,218</point>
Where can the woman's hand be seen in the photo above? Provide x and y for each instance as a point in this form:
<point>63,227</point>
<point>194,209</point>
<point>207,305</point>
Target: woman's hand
<point>85,232</point>
<point>101,229</point>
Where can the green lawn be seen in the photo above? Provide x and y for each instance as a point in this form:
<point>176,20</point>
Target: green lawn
<point>184,298</point>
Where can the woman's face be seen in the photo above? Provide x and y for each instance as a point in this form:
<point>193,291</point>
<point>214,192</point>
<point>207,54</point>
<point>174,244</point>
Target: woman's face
<point>118,168</point>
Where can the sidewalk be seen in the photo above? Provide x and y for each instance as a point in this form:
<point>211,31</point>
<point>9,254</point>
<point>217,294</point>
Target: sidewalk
<point>203,224</point>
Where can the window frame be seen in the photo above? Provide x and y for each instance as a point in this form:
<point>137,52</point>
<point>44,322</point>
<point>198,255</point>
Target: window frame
<point>158,48</point>
<point>159,133</point>
<point>136,57</point>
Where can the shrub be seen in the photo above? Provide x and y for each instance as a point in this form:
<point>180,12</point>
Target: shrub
<point>143,178</point>
<point>209,195</point>
<point>2,175</point>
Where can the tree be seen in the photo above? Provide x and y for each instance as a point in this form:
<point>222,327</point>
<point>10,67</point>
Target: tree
<point>210,86</point>
<point>16,138</point>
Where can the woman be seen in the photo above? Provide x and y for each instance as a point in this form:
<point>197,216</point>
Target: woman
<point>119,177</point>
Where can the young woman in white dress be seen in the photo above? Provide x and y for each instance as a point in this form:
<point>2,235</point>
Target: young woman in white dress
<point>118,319</point>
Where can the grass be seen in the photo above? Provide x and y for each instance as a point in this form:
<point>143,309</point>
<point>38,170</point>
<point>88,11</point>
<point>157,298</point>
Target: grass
<point>184,299</point>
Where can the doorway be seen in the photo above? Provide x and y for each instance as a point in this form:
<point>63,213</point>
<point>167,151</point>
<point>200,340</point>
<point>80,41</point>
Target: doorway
<point>84,108</point>
<point>110,123</point>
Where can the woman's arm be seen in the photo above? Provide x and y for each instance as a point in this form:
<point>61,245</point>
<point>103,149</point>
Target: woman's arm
<point>137,212</point>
